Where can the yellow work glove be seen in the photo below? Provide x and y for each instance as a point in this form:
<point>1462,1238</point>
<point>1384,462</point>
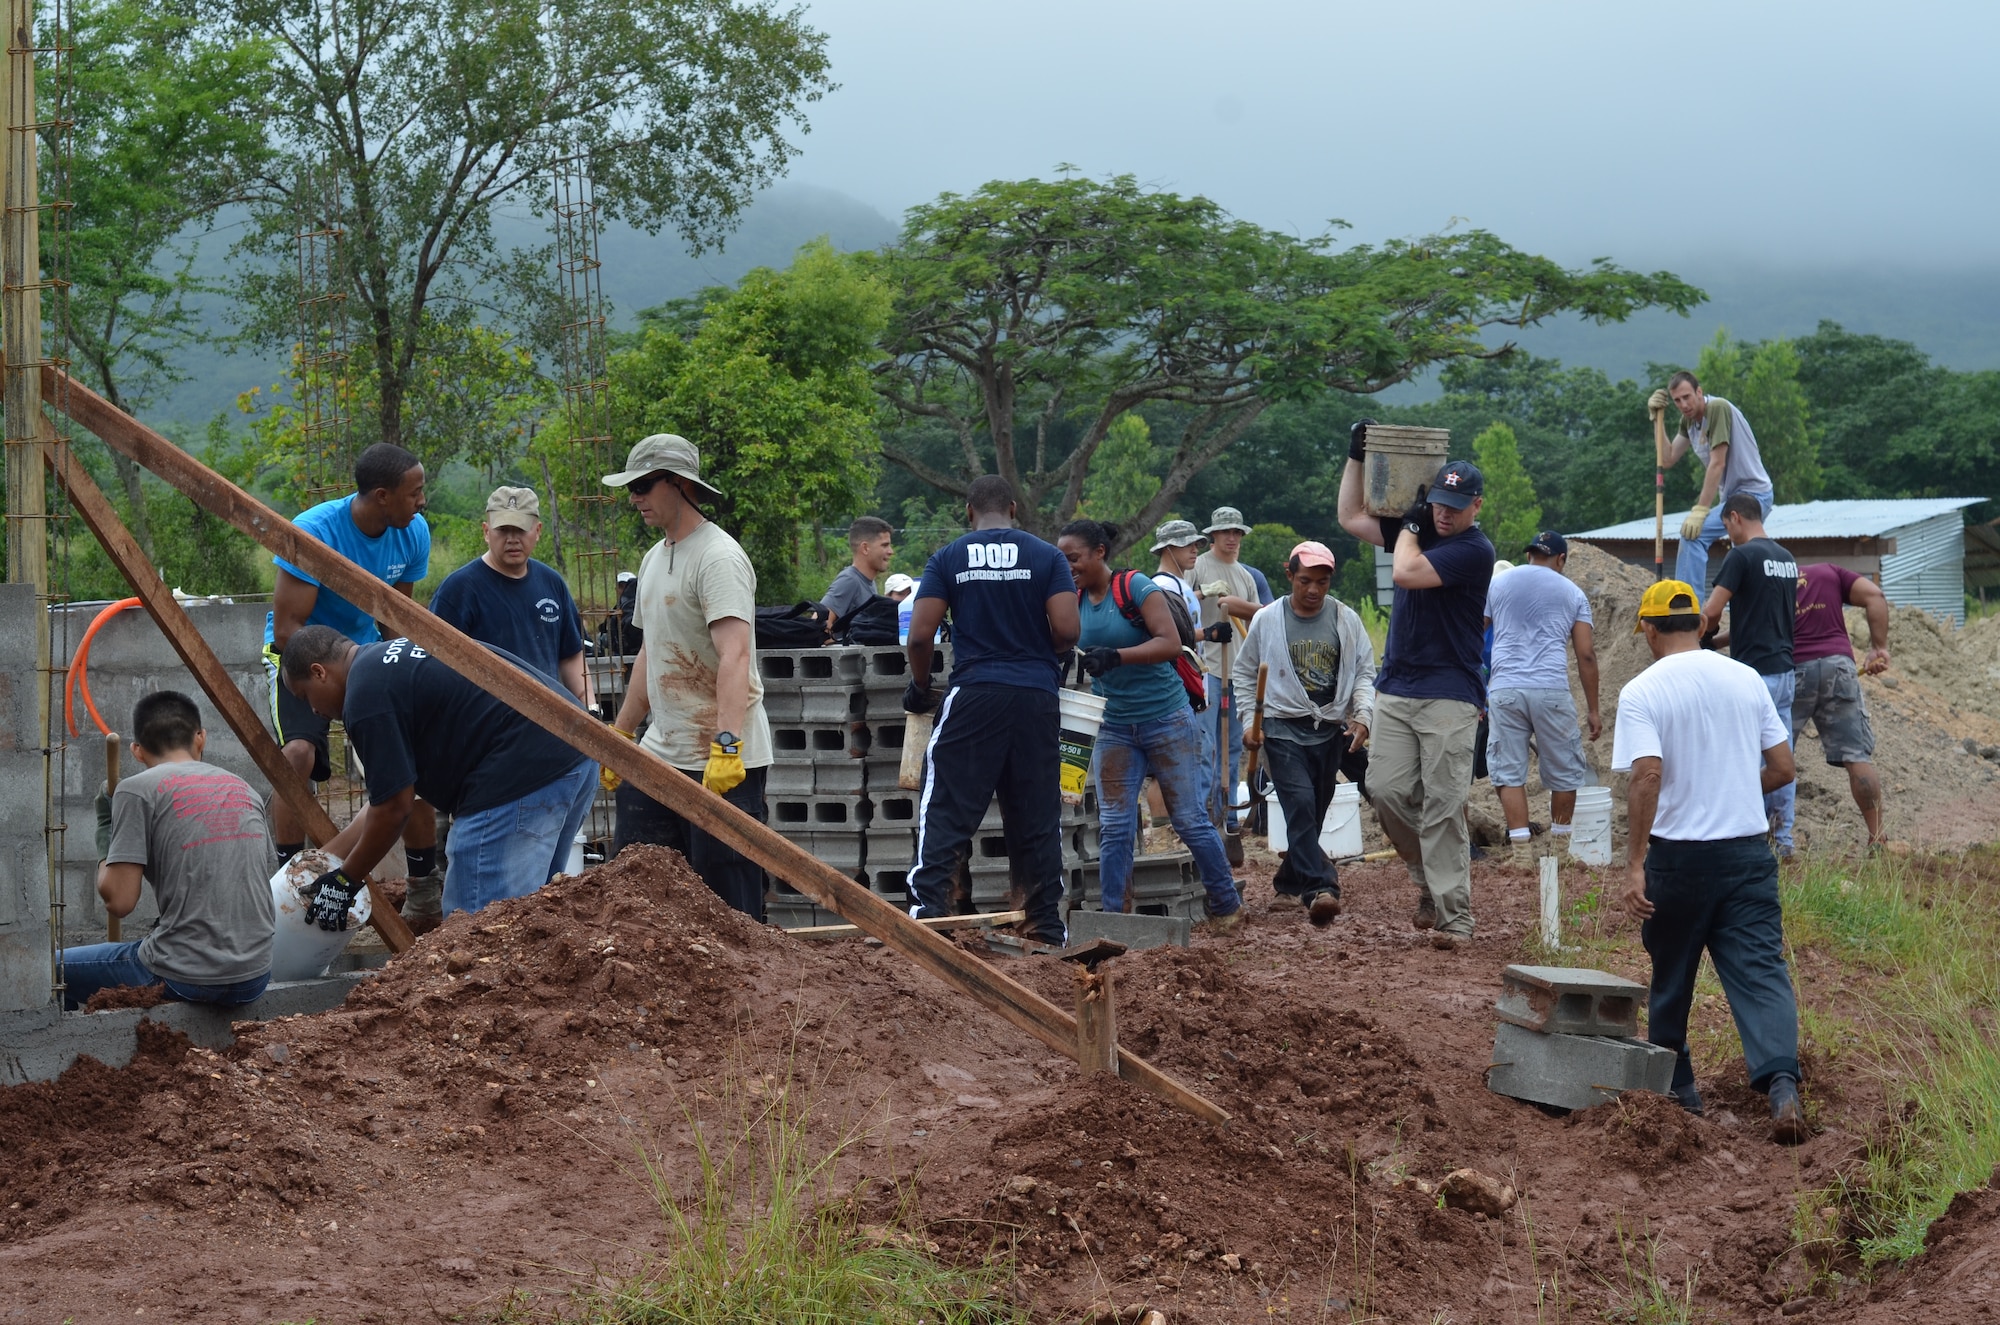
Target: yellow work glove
<point>607,776</point>
<point>724,769</point>
<point>1657,402</point>
<point>1691,527</point>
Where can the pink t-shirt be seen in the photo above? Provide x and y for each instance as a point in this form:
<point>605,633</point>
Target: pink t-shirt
<point>1821,628</point>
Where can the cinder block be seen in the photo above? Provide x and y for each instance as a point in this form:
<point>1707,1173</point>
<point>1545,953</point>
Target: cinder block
<point>817,813</point>
<point>789,780</point>
<point>830,703</point>
<point>1134,931</point>
<point>1569,1000</point>
<point>1575,1071</point>
<point>796,665</point>
<point>881,742</point>
<point>839,776</point>
<point>894,884</point>
<point>894,806</point>
<point>1164,876</point>
<point>782,706</point>
<point>807,742</point>
<point>890,846</point>
<point>844,851</point>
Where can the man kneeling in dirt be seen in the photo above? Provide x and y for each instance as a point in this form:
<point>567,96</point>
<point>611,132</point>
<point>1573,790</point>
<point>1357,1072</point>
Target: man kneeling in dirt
<point>199,833</point>
<point>516,793</point>
<point>1702,739</point>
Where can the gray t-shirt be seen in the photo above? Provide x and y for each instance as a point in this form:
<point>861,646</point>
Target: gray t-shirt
<point>201,834</point>
<point>849,590</point>
<point>1743,470</point>
<point>1314,646</point>
<point>1533,609</point>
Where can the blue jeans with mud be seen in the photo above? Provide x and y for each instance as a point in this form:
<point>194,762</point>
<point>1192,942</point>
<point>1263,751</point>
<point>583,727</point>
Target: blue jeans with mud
<point>1174,751</point>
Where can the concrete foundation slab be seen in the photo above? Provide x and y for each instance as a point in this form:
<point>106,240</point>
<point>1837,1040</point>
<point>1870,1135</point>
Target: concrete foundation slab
<point>1569,1000</point>
<point>1575,1071</point>
<point>1134,931</point>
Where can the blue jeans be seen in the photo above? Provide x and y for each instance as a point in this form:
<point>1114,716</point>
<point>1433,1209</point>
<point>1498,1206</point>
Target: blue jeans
<point>511,850</point>
<point>96,966</point>
<point>1223,797</point>
<point>1691,561</point>
<point>1173,750</point>
<point>1781,806</point>
<point>1721,896</point>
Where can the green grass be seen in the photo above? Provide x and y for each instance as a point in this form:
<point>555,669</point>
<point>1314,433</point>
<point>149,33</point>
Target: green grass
<point>1648,1297</point>
<point>762,1232</point>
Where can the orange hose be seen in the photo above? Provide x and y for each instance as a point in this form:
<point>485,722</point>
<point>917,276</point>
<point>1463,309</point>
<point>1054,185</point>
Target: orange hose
<point>79,667</point>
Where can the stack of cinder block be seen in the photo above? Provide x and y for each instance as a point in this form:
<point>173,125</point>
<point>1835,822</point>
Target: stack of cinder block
<point>1568,1037</point>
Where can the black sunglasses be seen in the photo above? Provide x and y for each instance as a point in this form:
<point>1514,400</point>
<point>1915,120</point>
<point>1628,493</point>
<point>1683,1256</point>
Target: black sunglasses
<point>642,486</point>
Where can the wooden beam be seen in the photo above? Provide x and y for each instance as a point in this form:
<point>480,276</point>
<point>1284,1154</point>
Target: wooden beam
<point>1096,1021</point>
<point>172,619</point>
<point>935,922</point>
<point>826,886</point>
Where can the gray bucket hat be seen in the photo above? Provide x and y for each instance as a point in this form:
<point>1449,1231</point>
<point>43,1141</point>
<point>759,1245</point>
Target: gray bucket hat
<point>1226,517</point>
<point>662,451</point>
<point>1176,533</point>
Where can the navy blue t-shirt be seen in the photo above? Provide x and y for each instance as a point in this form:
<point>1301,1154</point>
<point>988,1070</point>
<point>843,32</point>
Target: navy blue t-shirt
<point>996,584</point>
<point>1436,636</point>
<point>534,618</point>
<point>415,722</point>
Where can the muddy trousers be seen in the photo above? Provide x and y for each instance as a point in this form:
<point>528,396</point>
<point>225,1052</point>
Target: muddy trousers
<point>1304,777</point>
<point>1722,897</point>
<point>1419,774</point>
<point>736,879</point>
<point>990,739</point>
<point>1174,751</point>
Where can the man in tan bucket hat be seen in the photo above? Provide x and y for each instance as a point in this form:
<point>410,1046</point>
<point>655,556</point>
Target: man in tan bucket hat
<point>508,599</point>
<point>702,696</point>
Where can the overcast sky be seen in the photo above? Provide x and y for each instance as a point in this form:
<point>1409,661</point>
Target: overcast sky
<point>1790,133</point>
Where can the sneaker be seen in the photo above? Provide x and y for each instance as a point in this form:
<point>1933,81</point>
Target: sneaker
<point>1426,914</point>
<point>423,903</point>
<point>1286,901</point>
<point>1447,942</point>
<point>1323,909</point>
<point>1232,847</point>
<point>1788,1117</point>
<point>1229,924</point>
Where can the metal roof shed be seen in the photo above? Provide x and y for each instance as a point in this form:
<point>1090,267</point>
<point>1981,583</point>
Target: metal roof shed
<point>1915,547</point>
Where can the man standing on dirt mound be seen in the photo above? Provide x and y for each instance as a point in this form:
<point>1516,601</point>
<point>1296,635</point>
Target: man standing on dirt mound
<point>1720,438</point>
<point>1430,689</point>
<point>703,699</point>
<point>1759,584</point>
<point>1703,741</point>
<point>1829,690</point>
<point>1536,615</point>
<point>1014,619</point>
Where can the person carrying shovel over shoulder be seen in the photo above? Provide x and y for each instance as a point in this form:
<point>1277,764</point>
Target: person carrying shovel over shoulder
<point>1319,698</point>
<point>1720,438</point>
<point>1228,601</point>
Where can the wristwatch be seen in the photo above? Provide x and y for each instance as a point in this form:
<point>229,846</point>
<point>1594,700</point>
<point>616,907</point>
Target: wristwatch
<point>1413,527</point>
<point>730,742</point>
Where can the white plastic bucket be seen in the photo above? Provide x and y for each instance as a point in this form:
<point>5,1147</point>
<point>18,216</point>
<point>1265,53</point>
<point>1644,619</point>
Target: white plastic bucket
<point>1275,836</point>
<point>1340,833</point>
<point>1082,714</point>
<point>301,950</point>
<point>575,865</point>
<point>1590,833</point>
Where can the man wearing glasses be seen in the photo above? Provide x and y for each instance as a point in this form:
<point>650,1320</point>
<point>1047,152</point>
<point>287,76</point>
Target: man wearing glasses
<point>702,698</point>
<point>509,600</point>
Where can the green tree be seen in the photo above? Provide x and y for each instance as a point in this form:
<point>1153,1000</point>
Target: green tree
<point>1762,380</point>
<point>431,116</point>
<point>165,133</point>
<point>773,387</point>
<point>1511,514</point>
<point>1126,472</point>
<point>1030,316</point>
<point>1266,547</point>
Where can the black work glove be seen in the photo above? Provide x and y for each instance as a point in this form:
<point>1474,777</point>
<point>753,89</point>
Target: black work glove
<point>1418,517</point>
<point>103,807</point>
<point>1100,660</point>
<point>1219,633</point>
<point>1357,441</point>
<point>919,699</point>
<point>333,893</point>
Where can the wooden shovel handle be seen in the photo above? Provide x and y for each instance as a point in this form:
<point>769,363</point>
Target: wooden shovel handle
<point>114,926</point>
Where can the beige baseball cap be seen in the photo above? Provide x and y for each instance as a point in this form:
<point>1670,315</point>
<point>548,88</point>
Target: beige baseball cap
<point>662,451</point>
<point>513,508</point>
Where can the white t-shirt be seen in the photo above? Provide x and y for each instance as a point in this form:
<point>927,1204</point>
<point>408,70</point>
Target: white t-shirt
<point>1173,583</point>
<point>1708,719</point>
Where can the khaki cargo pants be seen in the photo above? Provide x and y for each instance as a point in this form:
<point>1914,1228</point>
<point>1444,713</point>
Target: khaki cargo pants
<point>1419,775</point>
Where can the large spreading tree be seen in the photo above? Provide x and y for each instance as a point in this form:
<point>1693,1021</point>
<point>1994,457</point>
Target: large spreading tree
<point>1031,316</point>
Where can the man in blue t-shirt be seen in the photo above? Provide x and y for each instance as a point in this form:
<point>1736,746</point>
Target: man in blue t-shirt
<point>509,600</point>
<point>518,793</point>
<point>1013,620</point>
<point>1431,688</point>
<point>380,529</point>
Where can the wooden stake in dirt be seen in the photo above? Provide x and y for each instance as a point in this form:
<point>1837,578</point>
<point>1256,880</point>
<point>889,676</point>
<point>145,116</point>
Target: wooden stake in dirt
<point>562,717</point>
<point>1659,495</point>
<point>1551,902</point>
<point>1256,728</point>
<point>1096,1014</point>
<point>114,926</point>
<point>209,674</point>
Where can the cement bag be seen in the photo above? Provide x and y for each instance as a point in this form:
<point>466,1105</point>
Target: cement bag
<point>301,950</point>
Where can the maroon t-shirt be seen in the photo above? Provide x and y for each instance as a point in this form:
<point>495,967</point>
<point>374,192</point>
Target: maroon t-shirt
<point>1820,630</point>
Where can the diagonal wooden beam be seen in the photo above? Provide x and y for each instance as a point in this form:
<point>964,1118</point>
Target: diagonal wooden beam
<point>666,784</point>
<point>172,619</point>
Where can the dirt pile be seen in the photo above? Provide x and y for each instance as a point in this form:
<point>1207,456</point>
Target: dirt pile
<point>1955,1278</point>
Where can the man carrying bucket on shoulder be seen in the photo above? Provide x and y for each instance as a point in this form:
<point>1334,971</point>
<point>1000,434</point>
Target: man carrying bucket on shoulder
<point>1013,622</point>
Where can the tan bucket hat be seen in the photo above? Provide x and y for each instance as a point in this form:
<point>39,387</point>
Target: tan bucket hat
<point>662,451</point>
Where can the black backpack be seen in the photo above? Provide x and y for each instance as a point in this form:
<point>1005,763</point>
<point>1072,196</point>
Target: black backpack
<point>1188,665</point>
<point>873,622</point>
<point>800,626</point>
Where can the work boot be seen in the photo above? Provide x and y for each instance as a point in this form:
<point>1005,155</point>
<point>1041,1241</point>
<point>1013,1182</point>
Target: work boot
<point>423,903</point>
<point>1222,925</point>
<point>1232,846</point>
<point>1690,1099</point>
<point>1445,941</point>
<point>1426,916</point>
<point>1788,1116</point>
<point>1286,901</point>
<point>1325,907</point>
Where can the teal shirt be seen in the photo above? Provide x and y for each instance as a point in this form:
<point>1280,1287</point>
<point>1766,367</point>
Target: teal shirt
<point>1132,694</point>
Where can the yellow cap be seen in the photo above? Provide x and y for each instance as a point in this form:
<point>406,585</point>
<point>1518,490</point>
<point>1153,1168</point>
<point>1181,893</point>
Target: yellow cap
<point>1669,598</point>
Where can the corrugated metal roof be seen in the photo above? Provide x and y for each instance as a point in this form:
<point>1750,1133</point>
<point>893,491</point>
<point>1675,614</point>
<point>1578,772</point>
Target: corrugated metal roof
<point>1816,519</point>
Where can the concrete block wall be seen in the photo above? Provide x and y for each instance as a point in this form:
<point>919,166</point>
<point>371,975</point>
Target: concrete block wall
<point>24,888</point>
